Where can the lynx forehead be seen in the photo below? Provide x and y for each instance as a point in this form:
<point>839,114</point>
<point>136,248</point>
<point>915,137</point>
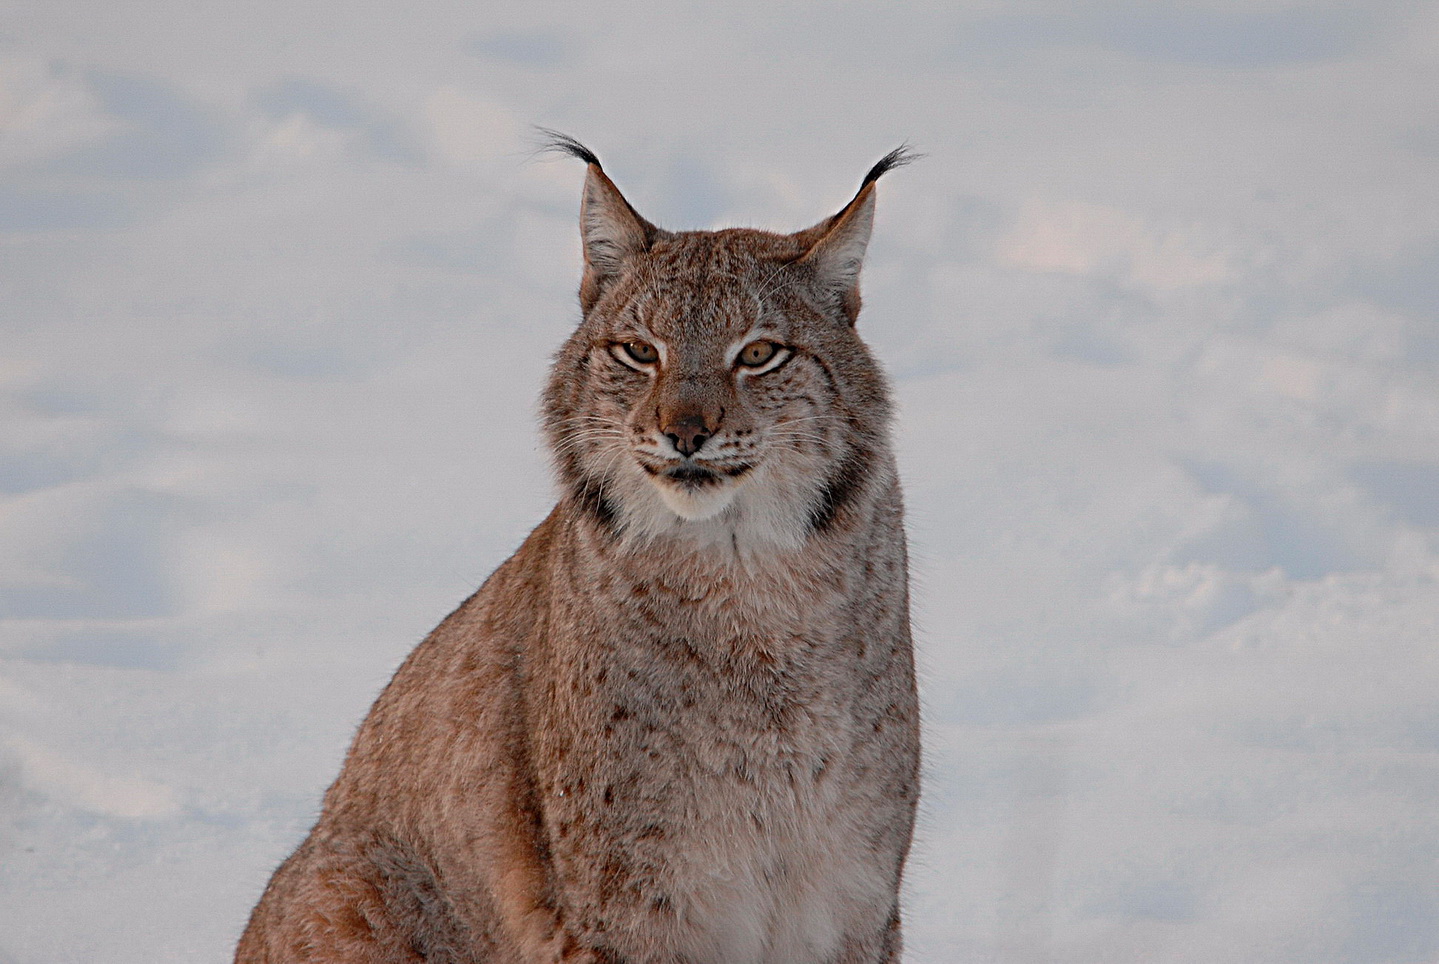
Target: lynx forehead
<point>679,724</point>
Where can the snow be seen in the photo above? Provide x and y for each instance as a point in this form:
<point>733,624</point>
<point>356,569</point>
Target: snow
<point>279,291</point>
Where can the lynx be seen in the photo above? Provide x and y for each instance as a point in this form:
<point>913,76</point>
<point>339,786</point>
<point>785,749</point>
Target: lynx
<point>679,724</point>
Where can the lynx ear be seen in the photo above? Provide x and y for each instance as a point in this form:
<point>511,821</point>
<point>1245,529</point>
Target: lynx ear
<point>612,232</point>
<point>835,247</point>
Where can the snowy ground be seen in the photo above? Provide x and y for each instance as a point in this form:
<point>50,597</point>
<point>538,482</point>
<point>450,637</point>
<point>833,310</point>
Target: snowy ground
<point>278,287</point>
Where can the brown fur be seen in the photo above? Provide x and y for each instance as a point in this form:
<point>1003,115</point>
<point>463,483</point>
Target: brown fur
<point>680,723</point>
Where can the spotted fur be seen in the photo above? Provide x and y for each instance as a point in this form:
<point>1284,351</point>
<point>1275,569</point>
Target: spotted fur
<point>679,725</point>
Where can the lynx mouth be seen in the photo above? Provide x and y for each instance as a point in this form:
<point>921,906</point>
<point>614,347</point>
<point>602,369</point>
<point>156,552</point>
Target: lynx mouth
<point>692,476</point>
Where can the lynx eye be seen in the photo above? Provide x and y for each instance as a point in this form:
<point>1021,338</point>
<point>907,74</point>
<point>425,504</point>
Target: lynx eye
<point>642,352</point>
<point>757,353</point>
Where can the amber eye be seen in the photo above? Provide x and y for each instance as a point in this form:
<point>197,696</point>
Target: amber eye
<point>642,352</point>
<point>756,353</point>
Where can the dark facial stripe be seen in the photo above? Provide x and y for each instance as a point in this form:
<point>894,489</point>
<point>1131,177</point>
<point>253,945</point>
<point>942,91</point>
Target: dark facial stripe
<point>837,397</point>
<point>589,496</point>
<point>835,394</point>
<point>840,489</point>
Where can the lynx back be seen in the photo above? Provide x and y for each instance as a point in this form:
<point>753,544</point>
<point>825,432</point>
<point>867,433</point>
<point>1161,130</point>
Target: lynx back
<point>679,724</point>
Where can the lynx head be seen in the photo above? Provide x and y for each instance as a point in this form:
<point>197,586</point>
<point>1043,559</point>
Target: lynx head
<point>716,387</point>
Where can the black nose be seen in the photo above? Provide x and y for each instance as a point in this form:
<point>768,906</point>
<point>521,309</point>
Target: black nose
<point>688,434</point>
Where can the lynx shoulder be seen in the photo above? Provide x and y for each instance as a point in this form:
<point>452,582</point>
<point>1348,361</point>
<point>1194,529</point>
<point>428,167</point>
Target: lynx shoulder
<point>680,723</point>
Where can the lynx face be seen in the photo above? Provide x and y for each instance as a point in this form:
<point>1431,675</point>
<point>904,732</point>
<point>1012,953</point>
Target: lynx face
<point>702,394</point>
<point>700,417</point>
<point>716,388</point>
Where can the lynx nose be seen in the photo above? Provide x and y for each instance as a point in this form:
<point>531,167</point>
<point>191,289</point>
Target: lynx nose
<point>688,434</point>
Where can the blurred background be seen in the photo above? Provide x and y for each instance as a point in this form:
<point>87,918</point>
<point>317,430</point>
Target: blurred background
<point>278,286</point>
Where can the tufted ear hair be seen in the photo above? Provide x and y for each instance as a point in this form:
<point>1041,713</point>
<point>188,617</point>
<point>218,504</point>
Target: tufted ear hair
<point>611,230</point>
<point>834,248</point>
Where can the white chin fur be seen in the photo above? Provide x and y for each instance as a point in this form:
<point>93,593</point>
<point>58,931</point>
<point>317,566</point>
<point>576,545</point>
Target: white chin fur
<point>696,504</point>
<point>767,508</point>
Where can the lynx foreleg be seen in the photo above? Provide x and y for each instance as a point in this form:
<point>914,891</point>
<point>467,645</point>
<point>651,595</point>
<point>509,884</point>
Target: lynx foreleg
<point>530,919</point>
<point>323,908</point>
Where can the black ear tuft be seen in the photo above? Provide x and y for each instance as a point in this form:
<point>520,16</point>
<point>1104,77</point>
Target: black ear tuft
<point>899,157</point>
<point>554,142</point>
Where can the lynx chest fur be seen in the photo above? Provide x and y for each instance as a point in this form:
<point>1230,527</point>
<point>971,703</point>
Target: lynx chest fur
<point>679,725</point>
